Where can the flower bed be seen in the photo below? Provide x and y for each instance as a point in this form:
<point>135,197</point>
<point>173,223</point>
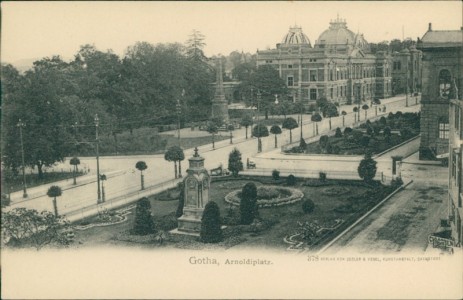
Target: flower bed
<point>269,196</point>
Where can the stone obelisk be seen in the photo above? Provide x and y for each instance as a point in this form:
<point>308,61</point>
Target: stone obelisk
<point>219,103</point>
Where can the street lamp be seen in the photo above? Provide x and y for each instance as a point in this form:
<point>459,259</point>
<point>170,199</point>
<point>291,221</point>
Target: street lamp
<point>179,110</point>
<point>21,125</point>
<point>97,122</point>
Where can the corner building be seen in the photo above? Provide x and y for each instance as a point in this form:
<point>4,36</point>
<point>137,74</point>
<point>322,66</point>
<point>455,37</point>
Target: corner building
<point>340,66</point>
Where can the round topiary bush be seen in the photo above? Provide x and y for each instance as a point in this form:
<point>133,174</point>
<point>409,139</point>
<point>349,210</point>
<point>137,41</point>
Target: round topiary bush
<point>291,180</point>
<point>276,174</point>
<point>308,206</point>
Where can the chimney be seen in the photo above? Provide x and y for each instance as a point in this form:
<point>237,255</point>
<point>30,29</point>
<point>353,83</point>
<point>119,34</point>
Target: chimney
<point>430,27</point>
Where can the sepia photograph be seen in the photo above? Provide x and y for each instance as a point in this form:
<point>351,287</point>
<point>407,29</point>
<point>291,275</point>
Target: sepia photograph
<point>231,150</point>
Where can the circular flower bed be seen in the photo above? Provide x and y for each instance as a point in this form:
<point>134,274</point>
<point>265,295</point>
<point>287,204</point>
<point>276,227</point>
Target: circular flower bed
<point>268,196</point>
<point>335,191</point>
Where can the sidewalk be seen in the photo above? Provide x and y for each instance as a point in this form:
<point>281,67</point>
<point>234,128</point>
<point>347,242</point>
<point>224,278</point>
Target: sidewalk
<point>39,191</point>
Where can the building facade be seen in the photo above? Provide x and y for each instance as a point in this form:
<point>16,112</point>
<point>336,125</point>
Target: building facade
<point>441,79</point>
<point>406,70</point>
<point>339,67</point>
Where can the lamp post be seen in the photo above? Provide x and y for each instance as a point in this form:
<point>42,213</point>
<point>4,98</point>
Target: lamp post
<point>179,110</point>
<point>97,123</point>
<point>259,142</point>
<point>21,125</point>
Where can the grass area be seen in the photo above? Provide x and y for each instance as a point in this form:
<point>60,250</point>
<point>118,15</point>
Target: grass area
<point>374,137</point>
<point>331,203</point>
<point>12,183</point>
<point>143,141</point>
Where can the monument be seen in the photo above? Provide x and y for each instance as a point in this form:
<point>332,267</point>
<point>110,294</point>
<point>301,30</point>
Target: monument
<point>196,192</point>
<point>219,103</point>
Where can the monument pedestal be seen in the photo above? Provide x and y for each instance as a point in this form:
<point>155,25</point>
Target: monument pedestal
<point>190,221</point>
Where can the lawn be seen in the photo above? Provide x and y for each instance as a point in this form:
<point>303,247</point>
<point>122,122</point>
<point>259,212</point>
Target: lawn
<point>332,204</point>
<point>374,137</point>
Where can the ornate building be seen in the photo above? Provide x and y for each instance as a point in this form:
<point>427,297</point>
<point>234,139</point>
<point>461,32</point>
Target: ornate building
<point>406,68</point>
<point>339,67</point>
<point>441,114</point>
<point>442,77</point>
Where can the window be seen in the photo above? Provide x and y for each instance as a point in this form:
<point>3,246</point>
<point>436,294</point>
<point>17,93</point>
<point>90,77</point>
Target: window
<point>313,75</point>
<point>457,118</point>
<point>443,129</point>
<point>321,75</point>
<point>290,81</point>
<point>313,94</point>
<point>331,93</point>
<point>399,65</point>
<point>290,66</point>
<point>331,75</point>
<point>444,84</point>
<point>268,61</point>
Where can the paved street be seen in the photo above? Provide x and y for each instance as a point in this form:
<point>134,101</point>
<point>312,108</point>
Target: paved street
<point>127,179</point>
<point>405,221</point>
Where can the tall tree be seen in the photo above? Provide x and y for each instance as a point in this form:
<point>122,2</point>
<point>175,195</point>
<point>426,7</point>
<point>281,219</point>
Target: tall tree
<point>53,192</point>
<point>141,166</point>
<point>246,121</point>
<point>276,130</point>
<point>290,123</point>
<point>235,165</point>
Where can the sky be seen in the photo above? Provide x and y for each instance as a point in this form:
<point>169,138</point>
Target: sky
<point>33,30</point>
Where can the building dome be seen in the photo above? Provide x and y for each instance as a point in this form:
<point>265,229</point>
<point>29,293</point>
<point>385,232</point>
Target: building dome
<point>295,36</point>
<point>361,43</point>
<point>337,34</point>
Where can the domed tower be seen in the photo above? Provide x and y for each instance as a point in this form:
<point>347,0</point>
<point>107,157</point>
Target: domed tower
<point>337,35</point>
<point>295,36</point>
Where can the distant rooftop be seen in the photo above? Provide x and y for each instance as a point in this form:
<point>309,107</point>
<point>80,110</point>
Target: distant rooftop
<point>439,38</point>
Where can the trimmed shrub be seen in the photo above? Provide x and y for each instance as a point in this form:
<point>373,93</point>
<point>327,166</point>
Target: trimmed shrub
<point>308,206</point>
<point>143,223</point>
<point>367,168</point>
<point>211,231</point>
<point>276,174</point>
<point>291,180</point>
<point>322,176</point>
<point>347,130</point>
<point>248,204</point>
<point>338,132</point>
<point>303,145</point>
<point>383,121</point>
<point>181,200</point>
<point>323,141</point>
<point>235,165</point>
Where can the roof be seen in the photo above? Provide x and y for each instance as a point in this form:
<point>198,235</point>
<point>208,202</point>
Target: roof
<point>295,36</point>
<point>441,38</point>
<point>336,34</point>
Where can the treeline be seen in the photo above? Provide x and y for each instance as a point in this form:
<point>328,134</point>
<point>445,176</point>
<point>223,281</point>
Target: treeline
<point>57,101</point>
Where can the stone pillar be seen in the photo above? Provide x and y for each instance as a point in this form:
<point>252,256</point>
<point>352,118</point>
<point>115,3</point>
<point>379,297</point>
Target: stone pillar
<point>219,103</point>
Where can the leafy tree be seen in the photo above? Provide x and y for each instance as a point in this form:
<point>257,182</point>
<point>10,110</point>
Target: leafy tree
<point>267,81</point>
<point>53,192</point>
<point>211,231</point>
<point>246,121</point>
<point>275,129</point>
<point>347,130</point>
<point>260,131</point>
<point>290,123</point>
<point>235,165</point>
<point>175,153</point>
<point>181,200</point>
<point>367,168</point>
<point>316,118</point>
<point>365,107</point>
<point>343,113</point>
<point>23,227</point>
<point>356,110</point>
<point>248,203</point>
<point>230,128</point>
<point>243,71</point>
<point>141,166</point>
<point>195,45</point>
<point>75,161</point>
<point>143,223</point>
<point>213,129</point>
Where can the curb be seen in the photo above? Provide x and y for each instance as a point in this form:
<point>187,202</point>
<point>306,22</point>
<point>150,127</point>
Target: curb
<point>403,186</point>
